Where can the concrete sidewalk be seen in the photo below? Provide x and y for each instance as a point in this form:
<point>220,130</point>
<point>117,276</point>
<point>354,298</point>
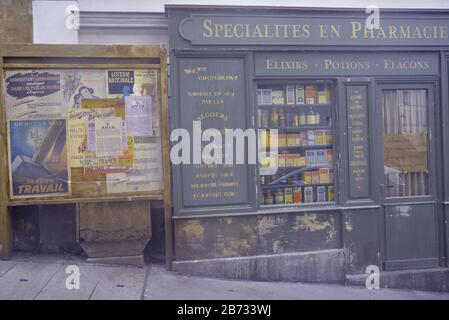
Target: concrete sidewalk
<point>43,277</point>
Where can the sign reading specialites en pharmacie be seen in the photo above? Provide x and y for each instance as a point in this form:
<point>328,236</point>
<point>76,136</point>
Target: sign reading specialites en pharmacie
<point>314,29</point>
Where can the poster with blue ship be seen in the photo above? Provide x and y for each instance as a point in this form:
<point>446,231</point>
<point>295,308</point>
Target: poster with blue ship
<point>38,157</point>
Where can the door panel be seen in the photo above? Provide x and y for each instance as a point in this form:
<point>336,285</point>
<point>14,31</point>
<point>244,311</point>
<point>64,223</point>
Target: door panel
<point>408,182</point>
<point>411,240</point>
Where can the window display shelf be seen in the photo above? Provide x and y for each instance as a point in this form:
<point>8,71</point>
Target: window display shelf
<point>298,129</point>
<point>313,105</point>
<point>304,143</point>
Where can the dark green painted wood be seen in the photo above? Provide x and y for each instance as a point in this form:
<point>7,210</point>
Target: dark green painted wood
<point>376,235</point>
<point>256,235</point>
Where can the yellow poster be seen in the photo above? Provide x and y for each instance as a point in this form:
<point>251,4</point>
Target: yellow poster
<point>77,133</point>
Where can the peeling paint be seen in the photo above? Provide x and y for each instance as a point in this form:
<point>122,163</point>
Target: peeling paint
<point>404,211</point>
<point>278,247</point>
<point>310,223</point>
<point>227,220</point>
<point>239,247</point>
<point>249,236</point>
<point>265,224</point>
<point>193,228</point>
<point>348,225</point>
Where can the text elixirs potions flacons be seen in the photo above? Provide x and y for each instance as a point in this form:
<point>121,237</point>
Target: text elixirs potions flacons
<point>290,31</point>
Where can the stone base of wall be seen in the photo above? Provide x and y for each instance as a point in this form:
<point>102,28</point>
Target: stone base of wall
<point>435,279</point>
<point>325,266</point>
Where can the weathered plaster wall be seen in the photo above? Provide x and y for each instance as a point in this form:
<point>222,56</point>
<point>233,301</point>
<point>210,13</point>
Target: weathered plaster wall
<point>16,21</point>
<point>210,238</point>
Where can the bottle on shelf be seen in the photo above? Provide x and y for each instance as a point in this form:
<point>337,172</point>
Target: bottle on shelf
<point>289,121</point>
<point>297,194</point>
<point>317,118</point>
<point>310,117</point>
<point>281,118</point>
<point>268,197</point>
<point>302,118</point>
<point>279,196</point>
<point>295,120</point>
<point>274,119</point>
<point>265,118</point>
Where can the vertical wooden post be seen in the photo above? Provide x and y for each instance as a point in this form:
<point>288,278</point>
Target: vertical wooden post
<point>5,230</point>
<point>166,162</point>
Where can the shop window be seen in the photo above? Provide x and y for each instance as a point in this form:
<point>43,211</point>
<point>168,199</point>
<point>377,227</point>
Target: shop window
<point>405,128</point>
<point>299,116</point>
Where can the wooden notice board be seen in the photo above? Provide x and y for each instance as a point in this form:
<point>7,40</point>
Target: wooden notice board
<point>82,123</point>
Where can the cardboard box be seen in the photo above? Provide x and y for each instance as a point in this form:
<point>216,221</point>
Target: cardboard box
<point>299,161</point>
<point>307,177</point>
<point>310,157</point>
<point>290,160</point>
<point>320,157</point>
<point>330,193</point>
<point>292,139</point>
<point>324,175</point>
<point>288,195</point>
<point>328,156</point>
<point>315,177</point>
<point>282,139</point>
<point>321,194</point>
<point>328,137</point>
<point>282,160</point>
<point>290,90</point>
<point>300,94</point>
<point>319,137</point>
<point>297,195</point>
<point>308,194</point>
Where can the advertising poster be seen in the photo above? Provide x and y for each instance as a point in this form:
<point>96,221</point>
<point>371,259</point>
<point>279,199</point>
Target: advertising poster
<point>146,173</point>
<point>108,136</point>
<point>38,158</point>
<point>98,138</point>
<point>79,85</point>
<point>138,82</point>
<point>139,115</point>
<point>77,136</point>
<point>146,85</point>
<point>33,95</point>
<point>120,83</point>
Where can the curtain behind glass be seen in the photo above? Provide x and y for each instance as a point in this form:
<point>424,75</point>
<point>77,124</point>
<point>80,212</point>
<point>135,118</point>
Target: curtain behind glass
<point>405,142</point>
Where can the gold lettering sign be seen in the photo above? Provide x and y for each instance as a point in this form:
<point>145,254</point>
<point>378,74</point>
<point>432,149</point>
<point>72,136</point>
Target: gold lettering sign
<point>211,28</point>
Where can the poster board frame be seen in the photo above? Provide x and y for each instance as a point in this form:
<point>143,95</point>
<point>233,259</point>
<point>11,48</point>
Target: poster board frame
<point>38,56</point>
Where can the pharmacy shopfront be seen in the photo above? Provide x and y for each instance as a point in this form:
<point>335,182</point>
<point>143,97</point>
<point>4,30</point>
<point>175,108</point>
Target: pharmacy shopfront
<point>362,157</point>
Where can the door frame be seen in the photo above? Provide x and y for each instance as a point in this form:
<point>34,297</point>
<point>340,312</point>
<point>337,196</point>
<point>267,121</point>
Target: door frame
<point>431,84</point>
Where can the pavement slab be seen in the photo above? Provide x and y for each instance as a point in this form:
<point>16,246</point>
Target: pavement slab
<point>97,283</point>
<point>163,285</point>
<point>44,278</point>
<point>5,266</point>
<point>26,280</point>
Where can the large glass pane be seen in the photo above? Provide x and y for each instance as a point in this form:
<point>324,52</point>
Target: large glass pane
<point>405,143</point>
<point>297,117</point>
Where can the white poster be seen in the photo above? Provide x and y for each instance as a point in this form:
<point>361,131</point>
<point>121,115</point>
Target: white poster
<point>146,173</point>
<point>108,136</point>
<point>33,95</point>
<point>139,112</point>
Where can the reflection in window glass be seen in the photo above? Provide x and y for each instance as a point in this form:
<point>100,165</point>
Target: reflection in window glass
<point>405,143</point>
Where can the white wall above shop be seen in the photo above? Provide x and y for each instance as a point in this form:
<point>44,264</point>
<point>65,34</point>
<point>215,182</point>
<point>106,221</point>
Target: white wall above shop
<point>49,23</point>
<point>158,5</point>
<point>144,22</point>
